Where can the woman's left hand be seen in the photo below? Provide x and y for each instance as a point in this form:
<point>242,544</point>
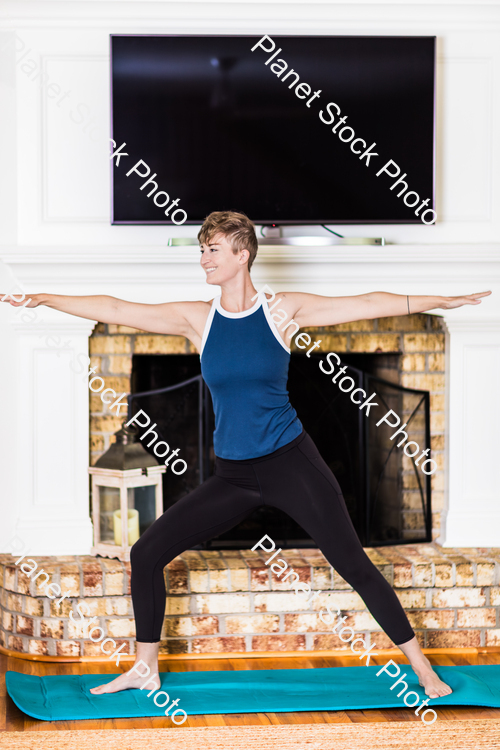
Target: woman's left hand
<point>469,299</point>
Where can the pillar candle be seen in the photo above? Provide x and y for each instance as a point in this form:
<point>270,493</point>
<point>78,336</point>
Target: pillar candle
<point>133,526</point>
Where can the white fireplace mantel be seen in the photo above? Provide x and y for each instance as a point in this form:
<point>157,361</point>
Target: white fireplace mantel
<point>44,432</point>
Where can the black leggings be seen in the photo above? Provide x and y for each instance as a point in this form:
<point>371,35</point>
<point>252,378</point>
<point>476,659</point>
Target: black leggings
<point>295,479</point>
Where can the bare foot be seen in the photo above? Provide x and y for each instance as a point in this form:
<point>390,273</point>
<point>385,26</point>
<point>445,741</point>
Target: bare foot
<point>428,679</point>
<point>128,681</point>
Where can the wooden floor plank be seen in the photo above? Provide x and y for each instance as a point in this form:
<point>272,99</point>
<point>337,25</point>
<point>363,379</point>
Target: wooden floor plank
<point>215,720</point>
<point>239,665</point>
<point>264,719</point>
<point>195,721</point>
<point>335,717</point>
<point>234,720</point>
<point>251,720</point>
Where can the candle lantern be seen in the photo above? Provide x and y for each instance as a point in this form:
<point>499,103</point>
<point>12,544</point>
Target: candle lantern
<point>126,494</point>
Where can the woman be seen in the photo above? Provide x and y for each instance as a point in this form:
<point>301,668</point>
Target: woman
<point>263,454</point>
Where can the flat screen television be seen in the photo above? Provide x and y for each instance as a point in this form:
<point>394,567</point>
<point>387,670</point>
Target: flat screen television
<point>222,126</point>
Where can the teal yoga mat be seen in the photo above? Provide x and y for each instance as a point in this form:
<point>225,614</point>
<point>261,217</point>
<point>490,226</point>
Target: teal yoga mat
<point>67,697</point>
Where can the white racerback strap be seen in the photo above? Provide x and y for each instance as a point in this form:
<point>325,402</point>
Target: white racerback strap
<point>208,324</point>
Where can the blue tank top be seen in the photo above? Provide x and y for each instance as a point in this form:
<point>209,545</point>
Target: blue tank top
<point>244,362</point>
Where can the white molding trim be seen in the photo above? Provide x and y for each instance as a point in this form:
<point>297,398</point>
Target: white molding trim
<point>77,326</point>
<point>228,16</point>
<point>429,253</point>
<point>49,535</point>
<point>473,529</point>
<point>43,209</point>
<point>471,433</point>
<point>477,325</point>
<point>488,62</point>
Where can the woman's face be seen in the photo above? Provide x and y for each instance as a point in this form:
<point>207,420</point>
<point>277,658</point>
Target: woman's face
<point>219,262</point>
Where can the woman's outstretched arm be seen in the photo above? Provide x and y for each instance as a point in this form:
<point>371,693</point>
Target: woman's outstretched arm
<point>315,310</point>
<point>181,318</point>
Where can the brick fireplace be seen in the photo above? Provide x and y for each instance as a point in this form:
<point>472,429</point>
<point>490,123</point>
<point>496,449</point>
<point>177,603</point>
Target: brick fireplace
<point>419,339</point>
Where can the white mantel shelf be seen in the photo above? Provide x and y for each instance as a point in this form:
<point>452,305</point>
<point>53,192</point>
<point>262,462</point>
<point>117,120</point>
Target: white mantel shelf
<point>48,402</point>
<point>408,253</point>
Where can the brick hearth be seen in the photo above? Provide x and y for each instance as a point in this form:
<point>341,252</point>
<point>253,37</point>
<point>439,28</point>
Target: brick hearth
<point>230,601</point>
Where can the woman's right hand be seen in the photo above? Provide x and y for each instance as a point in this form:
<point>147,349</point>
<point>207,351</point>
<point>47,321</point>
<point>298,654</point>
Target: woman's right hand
<point>33,301</point>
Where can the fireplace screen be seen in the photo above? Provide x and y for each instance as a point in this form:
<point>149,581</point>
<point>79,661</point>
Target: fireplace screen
<point>387,495</point>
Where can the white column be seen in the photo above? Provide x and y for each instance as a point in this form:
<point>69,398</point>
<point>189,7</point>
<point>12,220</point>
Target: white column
<point>45,438</point>
<point>472,518</point>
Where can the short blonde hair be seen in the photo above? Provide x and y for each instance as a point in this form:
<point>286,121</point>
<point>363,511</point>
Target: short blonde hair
<point>235,227</point>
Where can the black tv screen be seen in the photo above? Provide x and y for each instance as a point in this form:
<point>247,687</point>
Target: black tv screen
<point>220,126</point>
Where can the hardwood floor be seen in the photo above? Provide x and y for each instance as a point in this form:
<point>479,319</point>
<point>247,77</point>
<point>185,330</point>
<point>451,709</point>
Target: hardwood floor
<point>14,720</point>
